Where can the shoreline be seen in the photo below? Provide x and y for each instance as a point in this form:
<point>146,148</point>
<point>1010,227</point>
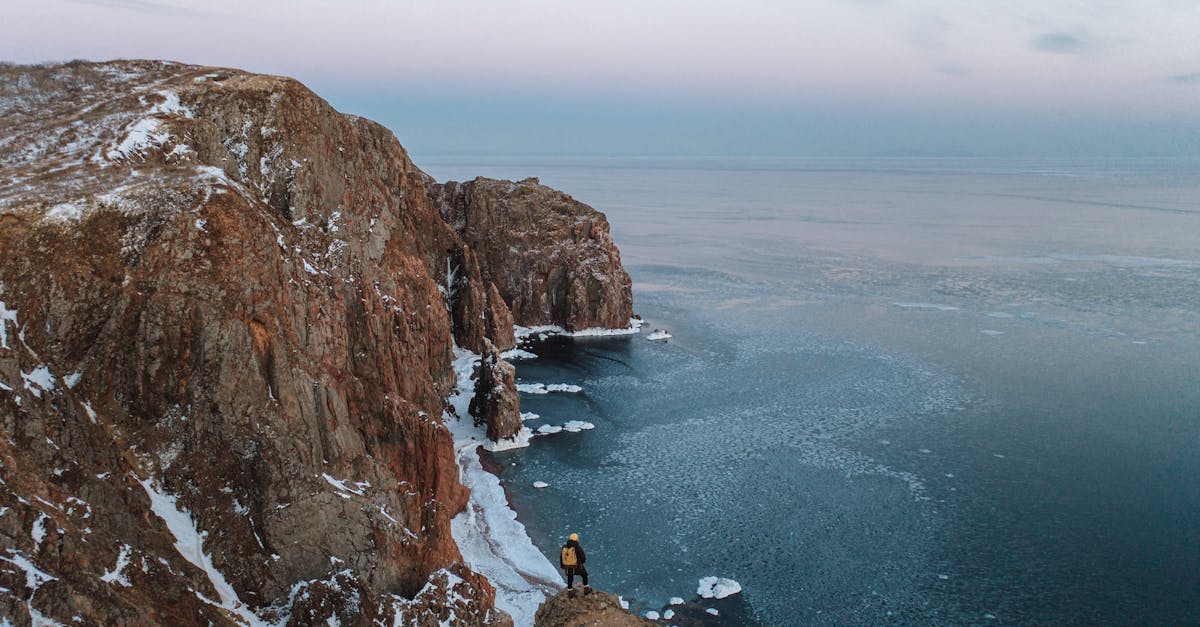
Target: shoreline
<point>492,541</point>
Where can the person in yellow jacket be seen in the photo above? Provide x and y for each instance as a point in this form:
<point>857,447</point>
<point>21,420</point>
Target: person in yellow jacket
<point>571,558</point>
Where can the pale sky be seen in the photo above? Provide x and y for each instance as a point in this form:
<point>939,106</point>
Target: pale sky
<point>853,77</point>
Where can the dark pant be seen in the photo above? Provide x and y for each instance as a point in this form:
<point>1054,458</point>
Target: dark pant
<point>576,570</point>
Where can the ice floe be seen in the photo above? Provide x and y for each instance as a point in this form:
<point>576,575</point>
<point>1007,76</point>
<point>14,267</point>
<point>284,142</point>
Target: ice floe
<point>717,588</point>
<point>542,388</point>
<point>659,334</point>
<point>652,615</point>
<point>676,601</point>
<point>517,353</point>
<point>540,485</point>
<point>991,332</point>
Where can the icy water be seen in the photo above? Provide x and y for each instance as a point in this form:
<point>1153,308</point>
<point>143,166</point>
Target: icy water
<point>899,391</point>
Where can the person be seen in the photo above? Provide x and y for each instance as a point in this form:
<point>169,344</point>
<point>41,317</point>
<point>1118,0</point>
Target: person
<point>571,558</point>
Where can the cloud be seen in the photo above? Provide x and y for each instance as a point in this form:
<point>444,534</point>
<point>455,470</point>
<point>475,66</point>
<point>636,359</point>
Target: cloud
<point>1060,43</point>
<point>952,69</point>
<point>1185,79</point>
<point>144,6</point>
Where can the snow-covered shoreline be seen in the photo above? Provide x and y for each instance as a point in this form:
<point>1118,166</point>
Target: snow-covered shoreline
<point>491,540</point>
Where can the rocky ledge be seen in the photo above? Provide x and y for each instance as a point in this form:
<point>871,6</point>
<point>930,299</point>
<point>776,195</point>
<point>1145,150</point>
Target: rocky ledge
<point>586,610</point>
<point>227,320</point>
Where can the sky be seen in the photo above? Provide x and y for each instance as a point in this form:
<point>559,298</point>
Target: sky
<point>1024,78</point>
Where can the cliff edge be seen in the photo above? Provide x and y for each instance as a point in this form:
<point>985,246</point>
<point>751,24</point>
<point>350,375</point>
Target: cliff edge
<point>580,610</point>
<point>227,315</point>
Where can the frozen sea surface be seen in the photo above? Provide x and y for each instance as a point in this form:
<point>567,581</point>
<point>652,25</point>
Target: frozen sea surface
<point>897,391</point>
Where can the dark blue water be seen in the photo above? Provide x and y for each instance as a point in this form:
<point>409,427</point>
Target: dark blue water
<point>899,392</point>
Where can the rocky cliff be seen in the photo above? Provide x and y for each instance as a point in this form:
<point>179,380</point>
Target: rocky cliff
<point>227,315</point>
<point>557,261</point>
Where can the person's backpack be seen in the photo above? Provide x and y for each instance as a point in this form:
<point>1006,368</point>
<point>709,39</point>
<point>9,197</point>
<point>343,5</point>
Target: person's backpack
<point>568,556</point>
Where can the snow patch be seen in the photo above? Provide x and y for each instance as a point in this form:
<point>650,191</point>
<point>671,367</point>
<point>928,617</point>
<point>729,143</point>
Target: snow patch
<point>541,485</point>
<point>341,485</point>
<point>64,212</point>
<point>189,542</point>
<point>517,353</point>
<point>116,575</point>
<point>6,315</point>
<point>38,381</point>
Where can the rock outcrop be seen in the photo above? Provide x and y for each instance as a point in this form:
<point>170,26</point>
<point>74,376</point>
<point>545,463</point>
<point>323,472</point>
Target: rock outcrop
<point>555,263</point>
<point>496,402</point>
<point>227,315</point>
<point>585,610</point>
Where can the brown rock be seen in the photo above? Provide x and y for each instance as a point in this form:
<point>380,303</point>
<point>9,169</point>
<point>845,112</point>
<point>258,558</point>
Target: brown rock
<point>585,610</point>
<point>496,400</point>
<point>214,283</point>
<point>554,261</point>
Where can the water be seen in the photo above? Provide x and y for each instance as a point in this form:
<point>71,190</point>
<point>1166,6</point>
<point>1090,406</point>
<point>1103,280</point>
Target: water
<point>899,391</point>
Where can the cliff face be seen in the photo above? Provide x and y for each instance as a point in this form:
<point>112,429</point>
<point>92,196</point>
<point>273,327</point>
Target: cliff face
<point>555,263</point>
<point>226,321</point>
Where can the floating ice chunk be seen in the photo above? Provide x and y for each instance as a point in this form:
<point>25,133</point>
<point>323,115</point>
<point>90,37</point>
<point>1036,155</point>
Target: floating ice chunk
<point>669,614</point>
<point>676,601</point>
<point>943,577</point>
<point>717,587</point>
<point>652,615</point>
<point>540,485</point>
<point>517,353</point>
<point>623,602</point>
<point>926,306</point>
<point>991,332</point>
<point>542,388</point>
<point>528,415</point>
<point>659,334</point>
<point>713,611</point>
<point>575,426</point>
<point>548,429</point>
